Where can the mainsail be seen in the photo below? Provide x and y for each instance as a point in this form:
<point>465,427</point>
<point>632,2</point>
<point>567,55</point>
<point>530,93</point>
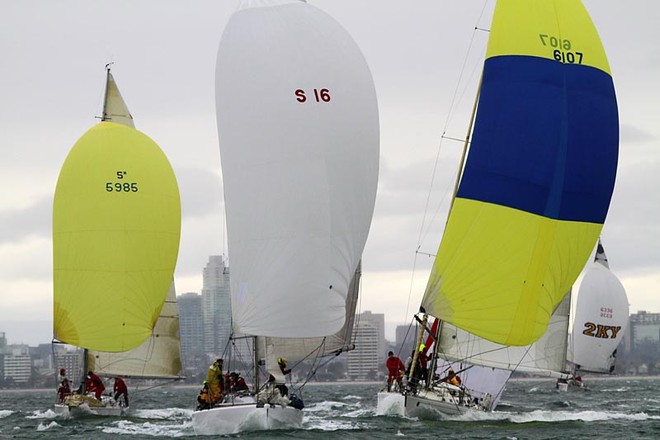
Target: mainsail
<point>299,139</point>
<point>538,180</point>
<point>601,318</point>
<point>116,229</point>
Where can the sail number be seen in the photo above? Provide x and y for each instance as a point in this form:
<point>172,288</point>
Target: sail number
<point>319,95</point>
<point>121,186</point>
<point>600,331</point>
<point>562,49</point>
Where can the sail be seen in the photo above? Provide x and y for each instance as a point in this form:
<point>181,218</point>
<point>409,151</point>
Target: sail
<point>297,349</point>
<point>545,357</point>
<point>116,229</point>
<point>601,318</point>
<point>114,107</point>
<point>158,357</point>
<point>299,142</point>
<point>538,179</point>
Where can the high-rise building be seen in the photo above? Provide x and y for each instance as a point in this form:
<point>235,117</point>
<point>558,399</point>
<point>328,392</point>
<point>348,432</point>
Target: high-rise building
<point>643,332</point>
<point>216,306</point>
<point>191,333</point>
<point>367,361</point>
<point>406,337</point>
<point>71,359</point>
<point>18,364</point>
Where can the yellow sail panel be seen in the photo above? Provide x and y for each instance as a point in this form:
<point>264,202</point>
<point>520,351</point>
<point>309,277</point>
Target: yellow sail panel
<point>559,30</point>
<point>488,249</point>
<point>157,357</point>
<point>116,230</point>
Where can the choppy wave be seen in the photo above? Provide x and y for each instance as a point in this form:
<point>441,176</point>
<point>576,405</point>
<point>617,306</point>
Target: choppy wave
<point>150,429</point>
<point>553,416</point>
<point>47,414</point>
<point>327,405</point>
<point>43,427</point>
<point>163,413</point>
<point>5,413</point>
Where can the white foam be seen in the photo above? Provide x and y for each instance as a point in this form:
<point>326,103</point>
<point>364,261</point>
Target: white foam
<point>552,416</point>
<point>325,406</point>
<point>151,429</point>
<point>48,414</point>
<point>43,427</point>
<point>391,405</point>
<point>163,413</point>
<point>324,424</point>
<point>351,397</point>
<point>5,413</point>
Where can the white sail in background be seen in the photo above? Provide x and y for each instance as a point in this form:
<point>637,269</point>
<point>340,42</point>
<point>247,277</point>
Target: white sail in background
<point>601,318</point>
<point>114,107</point>
<point>158,357</point>
<point>299,142</point>
<point>545,357</point>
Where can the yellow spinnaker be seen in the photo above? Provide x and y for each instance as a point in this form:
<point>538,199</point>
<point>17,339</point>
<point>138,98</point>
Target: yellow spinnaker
<point>116,230</point>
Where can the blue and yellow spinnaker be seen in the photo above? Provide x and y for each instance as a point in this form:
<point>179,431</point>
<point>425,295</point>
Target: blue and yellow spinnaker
<point>539,177</point>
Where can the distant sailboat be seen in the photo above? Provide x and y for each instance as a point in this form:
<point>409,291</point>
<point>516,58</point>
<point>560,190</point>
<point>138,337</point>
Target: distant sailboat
<point>531,201</point>
<point>600,321</point>
<point>299,139</point>
<point>116,229</point>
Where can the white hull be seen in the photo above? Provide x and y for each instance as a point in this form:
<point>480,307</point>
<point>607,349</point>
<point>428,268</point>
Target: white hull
<point>443,400</point>
<point>83,406</point>
<point>84,411</point>
<point>231,419</point>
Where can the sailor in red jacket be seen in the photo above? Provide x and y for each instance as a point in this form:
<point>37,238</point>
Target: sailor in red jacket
<point>395,370</point>
<point>120,390</point>
<point>94,384</point>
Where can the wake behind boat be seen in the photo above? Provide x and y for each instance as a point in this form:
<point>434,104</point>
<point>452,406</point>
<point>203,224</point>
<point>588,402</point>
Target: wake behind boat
<point>527,209</point>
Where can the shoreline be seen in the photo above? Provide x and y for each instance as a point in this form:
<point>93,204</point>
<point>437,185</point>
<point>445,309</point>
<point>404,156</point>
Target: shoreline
<point>587,378</point>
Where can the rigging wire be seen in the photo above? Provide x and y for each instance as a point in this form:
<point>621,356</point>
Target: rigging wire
<point>424,228</point>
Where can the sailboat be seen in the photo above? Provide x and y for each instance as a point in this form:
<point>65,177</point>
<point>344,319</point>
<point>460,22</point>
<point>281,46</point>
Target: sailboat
<point>299,139</point>
<point>600,321</point>
<point>533,195</point>
<point>116,230</point>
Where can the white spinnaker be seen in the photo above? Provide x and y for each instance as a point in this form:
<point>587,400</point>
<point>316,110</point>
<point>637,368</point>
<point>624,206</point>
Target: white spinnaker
<point>601,319</point>
<point>299,143</point>
<point>545,357</point>
<point>298,349</point>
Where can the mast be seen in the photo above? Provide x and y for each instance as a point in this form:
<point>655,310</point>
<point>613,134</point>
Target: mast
<point>104,114</point>
<point>453,197</point>
<point>256,365</point>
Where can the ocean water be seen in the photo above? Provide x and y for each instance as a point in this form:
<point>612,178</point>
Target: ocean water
<point>530,409</point>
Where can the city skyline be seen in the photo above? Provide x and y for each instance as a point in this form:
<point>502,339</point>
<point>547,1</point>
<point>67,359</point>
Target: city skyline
<point>164,55</point>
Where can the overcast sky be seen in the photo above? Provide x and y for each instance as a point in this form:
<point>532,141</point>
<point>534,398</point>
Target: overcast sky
<point>423,56</point>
